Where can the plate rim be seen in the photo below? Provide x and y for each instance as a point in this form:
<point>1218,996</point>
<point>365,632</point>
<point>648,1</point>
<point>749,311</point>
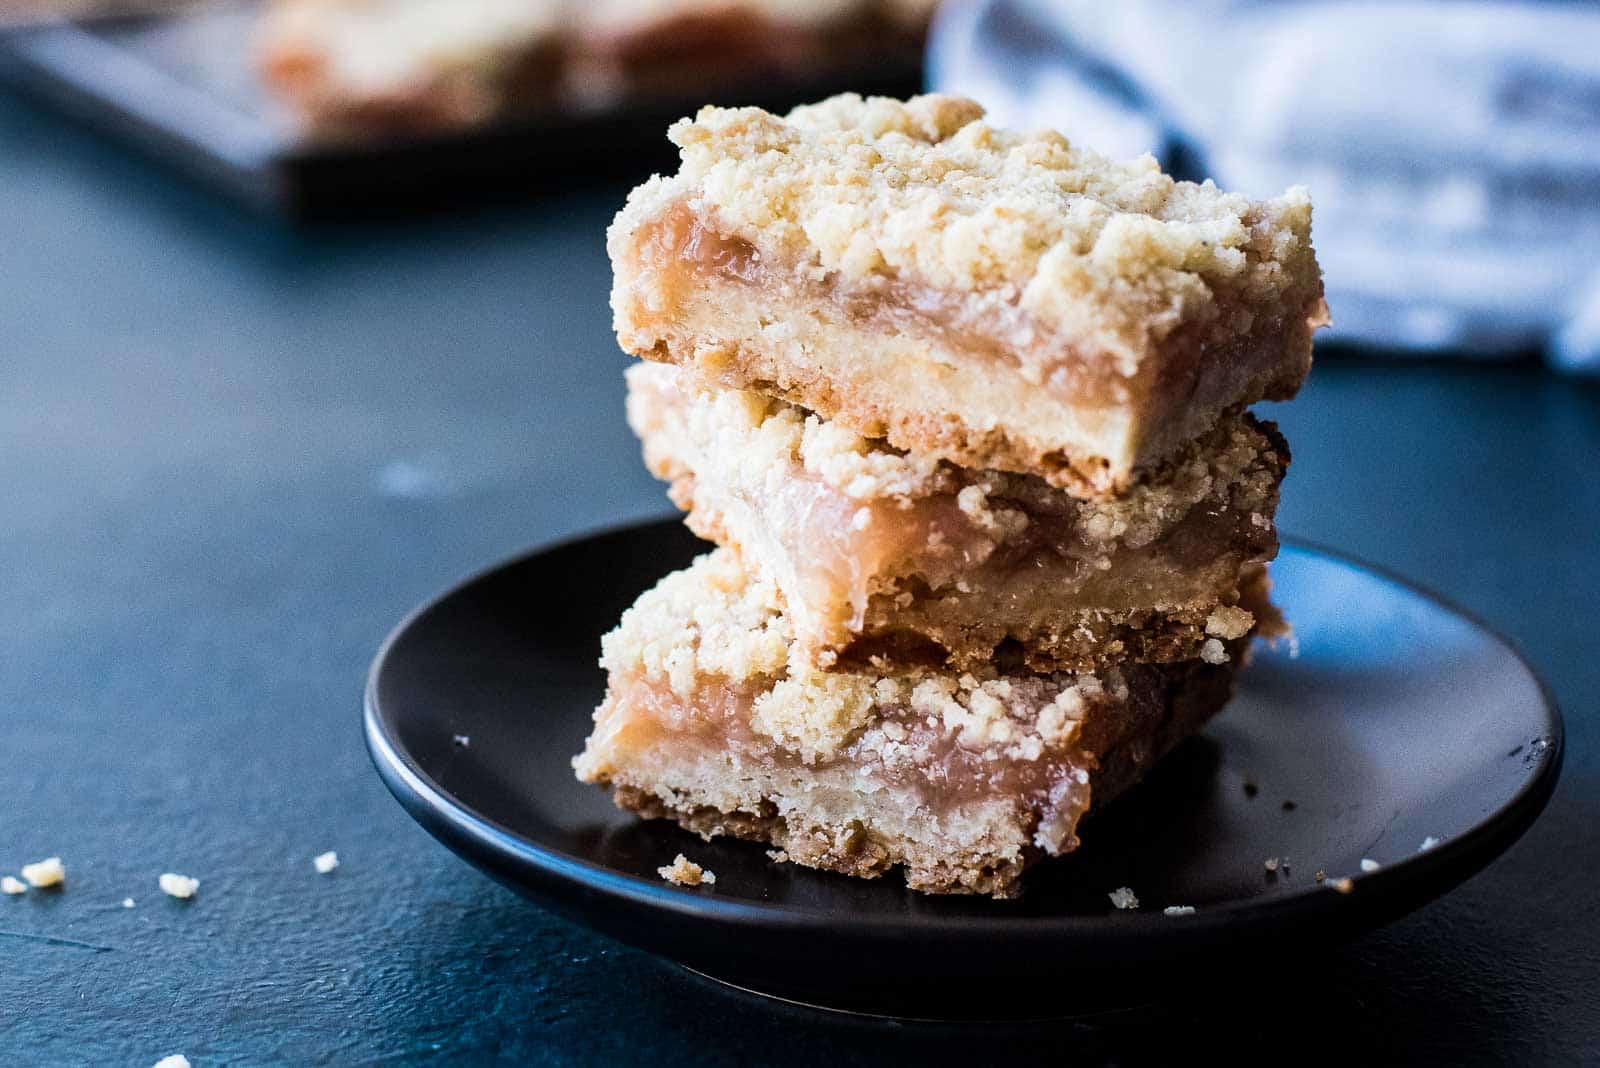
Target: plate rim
<point>472,834</point>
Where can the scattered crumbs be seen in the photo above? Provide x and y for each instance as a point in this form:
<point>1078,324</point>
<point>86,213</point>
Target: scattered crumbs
<point>1271,864</point>
<point>325,862</point>
<point>462,740</point>
<point>13,885</point>
<point>1288,806</point>
<point>1344,886</point>
<point>1321,876</point>
<point>1178,910</point>
<point>1250,788</point>
<point>47,872</point>
<point>127,902</point>
<point>179,886</point>
<point>1427,844</point>
<point>685,872</point>
<point>778,856</point>
<point>1369,865</point>
<point>1123,898</point>
<point>177,1060</point>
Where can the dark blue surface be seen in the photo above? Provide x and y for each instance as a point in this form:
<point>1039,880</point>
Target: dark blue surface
<point>235,456</point>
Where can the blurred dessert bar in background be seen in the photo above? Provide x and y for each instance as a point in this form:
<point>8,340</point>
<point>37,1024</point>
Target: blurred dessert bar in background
<point>364,68</point>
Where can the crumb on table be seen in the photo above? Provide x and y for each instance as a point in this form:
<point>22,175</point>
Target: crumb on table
<point>47,872</point>
<point>179,886</point>
<point>1123,897</point>
<point>325,862</point>
<point>685,872</point>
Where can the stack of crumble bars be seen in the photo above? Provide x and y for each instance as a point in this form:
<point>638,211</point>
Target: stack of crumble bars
<point>964,411</point>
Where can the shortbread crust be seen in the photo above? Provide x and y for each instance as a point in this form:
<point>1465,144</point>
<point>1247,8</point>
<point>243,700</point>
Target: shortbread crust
<point>963,779</point>
<point>999,300</point>
<point>877,553</point>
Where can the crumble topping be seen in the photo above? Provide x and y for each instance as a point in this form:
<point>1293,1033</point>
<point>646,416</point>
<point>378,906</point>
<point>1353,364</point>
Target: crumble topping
<point>179,886</point>
<point>876,190</point>
<point>1229,622</point>
<point>678,632</point>
<point>715,623</point>
<point>1123,898</point>
<point>685,872</point>
<point>43,873</point>
<point>10,884</point>
<point>744,439</point>
<point>815,715</point>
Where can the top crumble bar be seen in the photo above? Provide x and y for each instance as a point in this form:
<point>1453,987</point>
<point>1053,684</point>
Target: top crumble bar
<point>997,299</point>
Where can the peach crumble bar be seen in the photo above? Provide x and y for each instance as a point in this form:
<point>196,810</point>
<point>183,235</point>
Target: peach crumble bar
<point>357,68</point>
<point>999,300</point>
<point>963,779</point>
<point>349,69</point>
<point>882,553</point>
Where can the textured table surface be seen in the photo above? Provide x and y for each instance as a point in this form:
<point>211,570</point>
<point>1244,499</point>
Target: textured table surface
<point>234,456</point>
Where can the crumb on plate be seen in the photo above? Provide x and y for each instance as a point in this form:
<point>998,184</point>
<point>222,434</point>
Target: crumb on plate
<point>1369,865</point>
<point>1343,886</point>
<point>127,902</point>
<point>1427,844</point>
<point>47,872</point>
<point>177,1060</point>
<point>179,886</point>
<point>325,862</point>
<point>685,872</point>
<point>12,885</point>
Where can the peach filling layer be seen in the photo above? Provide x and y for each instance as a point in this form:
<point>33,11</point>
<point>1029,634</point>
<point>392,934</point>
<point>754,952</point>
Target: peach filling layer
<point>929,762</point>
<point>843,552</point>
<point>680,254</point>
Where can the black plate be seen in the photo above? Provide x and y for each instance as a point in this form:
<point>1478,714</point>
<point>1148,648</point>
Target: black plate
<point>1397,719</point>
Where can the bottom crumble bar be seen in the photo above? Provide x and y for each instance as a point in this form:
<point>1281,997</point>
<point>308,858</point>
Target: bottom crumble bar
<point>961,779</point>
